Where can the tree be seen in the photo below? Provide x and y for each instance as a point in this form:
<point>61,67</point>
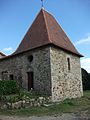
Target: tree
<point>85,79</point>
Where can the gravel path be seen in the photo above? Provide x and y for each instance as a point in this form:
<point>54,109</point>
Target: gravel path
<point>62,117</point>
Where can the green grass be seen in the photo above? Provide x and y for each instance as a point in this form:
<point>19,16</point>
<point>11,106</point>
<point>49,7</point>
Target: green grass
<point>67,106</point>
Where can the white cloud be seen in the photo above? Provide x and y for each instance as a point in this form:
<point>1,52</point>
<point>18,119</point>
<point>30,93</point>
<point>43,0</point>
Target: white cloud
<point>7,49</point>
<point>85,63</point>
<point>85,40</point>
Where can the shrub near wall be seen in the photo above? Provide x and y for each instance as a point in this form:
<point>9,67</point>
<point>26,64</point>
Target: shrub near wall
<point>8,87</point>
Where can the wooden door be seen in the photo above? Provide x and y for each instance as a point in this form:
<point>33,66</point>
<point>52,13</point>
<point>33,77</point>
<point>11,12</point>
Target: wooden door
<point>30,80</point>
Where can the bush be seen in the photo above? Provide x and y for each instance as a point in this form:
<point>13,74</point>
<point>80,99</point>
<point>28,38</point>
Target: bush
<point>8,87</point>
<point>11,98</point>
<point>69,102</point>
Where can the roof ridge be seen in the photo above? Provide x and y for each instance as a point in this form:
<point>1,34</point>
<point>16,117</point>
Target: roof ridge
<point>46,24</point>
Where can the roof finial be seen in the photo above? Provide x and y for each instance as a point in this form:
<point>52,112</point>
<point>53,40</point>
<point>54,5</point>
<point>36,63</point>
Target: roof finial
<point>42,4</point>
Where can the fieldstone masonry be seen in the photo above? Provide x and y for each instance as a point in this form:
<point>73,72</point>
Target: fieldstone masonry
<point>51,74</point>
<point>65,83</point>
<point>18,66</point>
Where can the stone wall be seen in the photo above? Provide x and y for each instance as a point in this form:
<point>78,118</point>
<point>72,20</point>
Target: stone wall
<point>0,56</point>
<point>51,72</point>
<point>65,83</point>
<point>19,65</point>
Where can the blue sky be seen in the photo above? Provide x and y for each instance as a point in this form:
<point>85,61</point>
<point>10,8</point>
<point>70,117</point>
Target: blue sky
<point>16,16</point>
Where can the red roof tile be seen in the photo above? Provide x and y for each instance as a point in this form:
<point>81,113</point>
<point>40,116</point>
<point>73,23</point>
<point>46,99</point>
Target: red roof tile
<point>45,30</point>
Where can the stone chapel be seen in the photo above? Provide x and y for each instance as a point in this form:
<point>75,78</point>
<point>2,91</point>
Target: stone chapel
<point>46,61</point>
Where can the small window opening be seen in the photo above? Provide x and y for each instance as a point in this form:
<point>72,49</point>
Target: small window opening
<point>11,77</point>
<point>68,60</point>
<point>30,58</point>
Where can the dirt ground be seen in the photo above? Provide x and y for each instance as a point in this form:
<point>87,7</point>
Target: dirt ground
<point>67,116</point>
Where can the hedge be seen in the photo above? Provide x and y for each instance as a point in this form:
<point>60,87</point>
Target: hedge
<point>8,87</point>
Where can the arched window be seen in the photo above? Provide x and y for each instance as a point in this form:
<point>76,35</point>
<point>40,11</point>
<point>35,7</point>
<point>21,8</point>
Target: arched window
<point>68,61</point>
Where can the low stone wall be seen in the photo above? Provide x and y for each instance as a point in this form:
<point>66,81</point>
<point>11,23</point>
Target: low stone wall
<point>26,103</point>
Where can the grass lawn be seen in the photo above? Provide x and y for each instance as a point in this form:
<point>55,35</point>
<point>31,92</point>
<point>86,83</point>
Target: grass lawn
<point>68,106</point>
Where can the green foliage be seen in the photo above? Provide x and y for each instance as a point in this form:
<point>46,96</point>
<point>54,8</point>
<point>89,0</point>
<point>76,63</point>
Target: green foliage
<point>8,87</point>
<point>11,98</point>
<point>85,79</point>
<point>21,95</point>
<point>30,94</point>
<point>68,102</point>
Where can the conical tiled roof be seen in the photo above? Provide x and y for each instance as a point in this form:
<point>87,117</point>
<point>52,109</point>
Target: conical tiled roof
<point>45,30</point>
